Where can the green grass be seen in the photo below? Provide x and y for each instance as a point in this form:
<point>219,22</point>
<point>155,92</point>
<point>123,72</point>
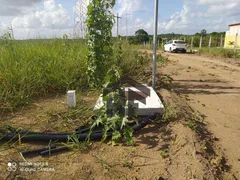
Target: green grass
<point>219,52</point>
<point>30,69</point>
<point>33,69</point>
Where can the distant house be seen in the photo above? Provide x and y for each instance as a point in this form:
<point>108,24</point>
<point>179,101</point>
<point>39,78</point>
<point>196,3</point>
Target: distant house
<point>231,36</point>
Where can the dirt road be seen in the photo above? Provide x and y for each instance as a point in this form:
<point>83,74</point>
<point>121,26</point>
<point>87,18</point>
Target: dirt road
<point>211,86</point>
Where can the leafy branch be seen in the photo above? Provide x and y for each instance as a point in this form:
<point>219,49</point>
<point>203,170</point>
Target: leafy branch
<point>100,21</point>
<point>102,71</point>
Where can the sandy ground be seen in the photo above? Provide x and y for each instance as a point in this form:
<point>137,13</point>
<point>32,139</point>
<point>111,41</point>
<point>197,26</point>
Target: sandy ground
<point>204,91</point>
<point>212,86</point>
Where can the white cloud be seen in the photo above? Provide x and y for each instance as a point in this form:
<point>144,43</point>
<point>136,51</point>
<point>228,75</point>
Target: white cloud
<point>52,16</point>
<point>195,15</point>
<point>228,9</point>
<point>216,2</point>
<point>138,21</point>
<point>49,5</point>
<point>181,21</point>
<point>132,6</point>
<point>212,15</point>
<point>17,7</point>
<point>3,27</point>
<point>52,20</point>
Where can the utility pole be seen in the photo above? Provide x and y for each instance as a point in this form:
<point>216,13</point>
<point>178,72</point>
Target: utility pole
<point>155,44</point>
<point>12,34</point>
<point>127,26</point>
<point>118,17</point>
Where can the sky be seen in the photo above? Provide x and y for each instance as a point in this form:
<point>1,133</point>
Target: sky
<point>53,18</point>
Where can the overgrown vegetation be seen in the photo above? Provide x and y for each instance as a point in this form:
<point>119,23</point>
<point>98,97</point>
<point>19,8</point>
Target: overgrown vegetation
<point>30,69</point>
<point>104,72</point>
<point>35,68</point>
<point>219,52</point>
<point>99,22</point>
<point>171,112</point>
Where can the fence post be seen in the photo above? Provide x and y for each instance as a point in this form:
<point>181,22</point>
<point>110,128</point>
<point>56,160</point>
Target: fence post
<point>200,44</point>
<point>184,39</point>
<point>210,42</point>
<point>191,43</point>
<point>236,43</point>
<point>221,43</point>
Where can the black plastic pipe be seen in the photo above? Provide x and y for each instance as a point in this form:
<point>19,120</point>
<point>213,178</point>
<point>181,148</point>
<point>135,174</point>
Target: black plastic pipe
<point>37,151</point>
<point>136,128</point>
<point>78,131</point>
<point>50,152</point>
<point>144,122</point>
<point>65,137</point>
<point>58,137</point>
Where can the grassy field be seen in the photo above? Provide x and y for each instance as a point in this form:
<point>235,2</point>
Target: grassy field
<point>219,52</point>
<point>32,69</point>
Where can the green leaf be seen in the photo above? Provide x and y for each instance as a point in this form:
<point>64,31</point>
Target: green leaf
<point>124,121</point>
<point>128,135</point>
<point>116,135</point>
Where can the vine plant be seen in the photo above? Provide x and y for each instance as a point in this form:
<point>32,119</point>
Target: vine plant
<point>103,72</point>
<point>99,22</point>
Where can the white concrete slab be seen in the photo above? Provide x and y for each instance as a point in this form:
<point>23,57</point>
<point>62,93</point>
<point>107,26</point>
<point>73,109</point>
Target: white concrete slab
<point>143,98</point>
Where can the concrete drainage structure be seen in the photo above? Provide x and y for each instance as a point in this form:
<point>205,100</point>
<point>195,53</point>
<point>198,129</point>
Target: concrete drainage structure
<point>143,98</point>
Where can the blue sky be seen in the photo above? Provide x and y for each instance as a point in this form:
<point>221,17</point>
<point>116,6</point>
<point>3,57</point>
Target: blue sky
<point>53,18</point>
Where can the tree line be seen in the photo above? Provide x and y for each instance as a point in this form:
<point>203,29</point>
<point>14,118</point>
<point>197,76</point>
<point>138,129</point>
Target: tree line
<point>141,36</point>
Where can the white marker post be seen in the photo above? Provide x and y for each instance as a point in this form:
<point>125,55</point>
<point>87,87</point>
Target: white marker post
<point>155,44</point>
<point>71,99</point>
